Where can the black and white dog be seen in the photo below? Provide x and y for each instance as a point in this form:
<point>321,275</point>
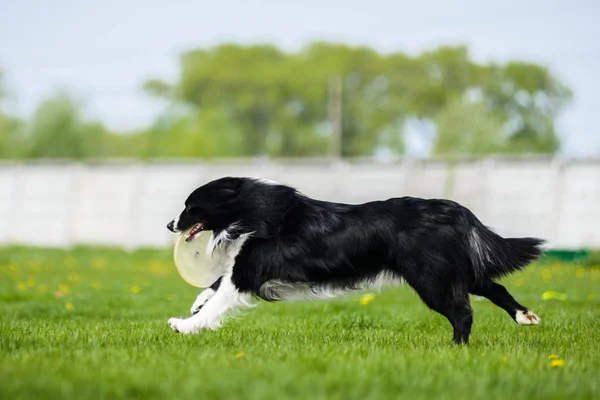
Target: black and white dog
<point>279,244</point>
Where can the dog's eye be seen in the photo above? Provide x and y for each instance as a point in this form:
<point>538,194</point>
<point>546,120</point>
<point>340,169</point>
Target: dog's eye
<point>191,209</point>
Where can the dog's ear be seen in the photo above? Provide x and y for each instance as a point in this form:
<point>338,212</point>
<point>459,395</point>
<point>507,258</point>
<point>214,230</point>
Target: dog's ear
<point>231,186</point>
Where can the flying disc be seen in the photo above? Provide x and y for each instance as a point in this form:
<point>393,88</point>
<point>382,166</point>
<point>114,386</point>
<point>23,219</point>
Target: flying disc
<point>193,264</point>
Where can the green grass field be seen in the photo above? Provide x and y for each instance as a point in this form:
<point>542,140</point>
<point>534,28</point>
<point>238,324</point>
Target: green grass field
<point>92,323</point>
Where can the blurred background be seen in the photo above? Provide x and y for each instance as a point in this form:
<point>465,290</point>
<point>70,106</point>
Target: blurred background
<point>111,112</point>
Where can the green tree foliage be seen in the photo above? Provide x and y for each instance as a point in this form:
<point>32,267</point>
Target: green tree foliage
<point>528,98</point>
<point>260,89</point>
<point>325,99</point>
<point>467,129</point>
<point>57,130</point>
<point>280,103</point>
<point>195,136</point>
<point>9,142</point>
<point>8,127</point>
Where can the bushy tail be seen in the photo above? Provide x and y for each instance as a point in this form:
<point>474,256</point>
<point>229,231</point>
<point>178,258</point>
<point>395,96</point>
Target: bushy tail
<point>494,256</point>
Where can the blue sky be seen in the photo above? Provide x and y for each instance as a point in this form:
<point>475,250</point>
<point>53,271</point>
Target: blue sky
<point>103,50</point>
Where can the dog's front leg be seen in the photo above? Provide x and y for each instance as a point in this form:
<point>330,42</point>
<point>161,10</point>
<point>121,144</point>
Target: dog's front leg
<point>204,296</point>
<point>210,316</point>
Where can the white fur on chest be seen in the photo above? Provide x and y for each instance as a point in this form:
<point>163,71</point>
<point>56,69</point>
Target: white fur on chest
<point>223,250</point>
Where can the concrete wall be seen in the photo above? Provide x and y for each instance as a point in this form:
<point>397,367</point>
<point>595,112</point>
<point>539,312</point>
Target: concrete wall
<point>129,204</point>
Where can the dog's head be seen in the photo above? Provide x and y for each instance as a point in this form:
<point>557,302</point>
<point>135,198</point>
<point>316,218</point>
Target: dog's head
<point>207,206</point>
<point>251,204</point>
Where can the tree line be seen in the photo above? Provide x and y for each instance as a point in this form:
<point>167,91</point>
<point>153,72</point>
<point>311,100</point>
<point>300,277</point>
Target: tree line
<point>324,100</point>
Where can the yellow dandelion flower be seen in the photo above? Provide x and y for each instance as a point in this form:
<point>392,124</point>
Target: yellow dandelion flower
<point>579,272</point>
<point>135,289</point>
<point>41,288</point>
<point>519,282</point>
<point>239,355</point>
<point>367,298</point>
<point>63,288</point>
<point>99,262</point>
<point>12,267</point>
<point>21,286</point>
<point>590,297</point>
<point>557,363</point>
<point>553,357</point>
<point>69,306</point>
<point>96,284</point>
<point>74,276</point>
<point>30,283</point>
<point>504,359</point>
<point>551,295</point>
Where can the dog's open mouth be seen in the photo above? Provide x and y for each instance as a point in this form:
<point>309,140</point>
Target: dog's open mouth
<point>195,230</point>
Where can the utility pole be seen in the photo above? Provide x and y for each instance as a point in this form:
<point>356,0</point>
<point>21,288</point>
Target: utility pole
<point>334,111</point>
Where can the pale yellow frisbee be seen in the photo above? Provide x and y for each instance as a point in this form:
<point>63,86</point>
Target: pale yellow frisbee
<point>195,266</point>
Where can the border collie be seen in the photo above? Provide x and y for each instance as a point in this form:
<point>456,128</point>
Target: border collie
<point>279,244</point>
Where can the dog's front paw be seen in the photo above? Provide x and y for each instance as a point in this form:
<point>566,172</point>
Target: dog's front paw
<point>182,326</point>
<point>173,323</point>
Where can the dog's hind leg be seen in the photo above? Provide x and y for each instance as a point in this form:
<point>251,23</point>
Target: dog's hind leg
<point>205,295</point>
<point>450,303</point>
<point>498,295</point>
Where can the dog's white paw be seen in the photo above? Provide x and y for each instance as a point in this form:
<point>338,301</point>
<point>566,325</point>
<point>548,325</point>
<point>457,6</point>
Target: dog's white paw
<point>173,323</point>
<point>527,318</point>
<point>182,326</point>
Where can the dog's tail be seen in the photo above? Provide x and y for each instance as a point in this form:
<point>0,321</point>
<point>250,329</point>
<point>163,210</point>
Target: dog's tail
<point>494,256</point>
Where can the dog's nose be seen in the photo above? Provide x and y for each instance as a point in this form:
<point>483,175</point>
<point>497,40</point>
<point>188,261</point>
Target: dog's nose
<point>170,226</point>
